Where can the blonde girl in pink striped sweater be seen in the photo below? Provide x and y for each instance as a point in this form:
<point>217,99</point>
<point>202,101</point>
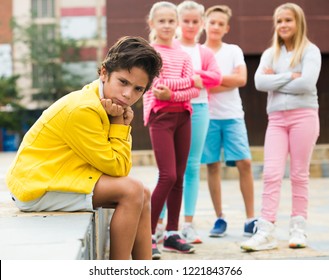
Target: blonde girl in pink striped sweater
<point>167,112</point>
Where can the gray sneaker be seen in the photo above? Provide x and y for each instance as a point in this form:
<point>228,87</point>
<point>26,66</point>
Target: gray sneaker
<point>190,234</point>
<point>297,237</point>
<point>159,233</point>
<point>174,243</point>
<point>263,239</point>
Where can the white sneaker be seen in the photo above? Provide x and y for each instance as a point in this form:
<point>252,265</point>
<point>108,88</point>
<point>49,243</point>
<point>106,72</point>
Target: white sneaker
<point>263,239</point>
<point>190,234</point>
<point>297,232</point>
<point>159,233</point>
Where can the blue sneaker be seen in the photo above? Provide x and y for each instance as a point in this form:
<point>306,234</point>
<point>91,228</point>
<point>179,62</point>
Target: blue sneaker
<point>249,228</point>
<point>219,228</point>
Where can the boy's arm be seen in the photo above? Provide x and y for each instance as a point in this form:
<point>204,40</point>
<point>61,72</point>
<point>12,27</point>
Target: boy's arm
<point>238,78</point>
<point>105,146</point>
<point>219,89</point>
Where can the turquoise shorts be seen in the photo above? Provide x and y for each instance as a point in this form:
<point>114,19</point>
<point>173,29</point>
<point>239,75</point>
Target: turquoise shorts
<point>57,201</point>
<point>228,138</point>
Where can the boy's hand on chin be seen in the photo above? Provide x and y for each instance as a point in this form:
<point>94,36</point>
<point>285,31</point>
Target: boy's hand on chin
<point>128,115</point>
<point>111,108</point>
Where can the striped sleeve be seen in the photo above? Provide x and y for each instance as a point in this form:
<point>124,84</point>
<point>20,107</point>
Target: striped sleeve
<point>175,73</point>
<point>148,101</point>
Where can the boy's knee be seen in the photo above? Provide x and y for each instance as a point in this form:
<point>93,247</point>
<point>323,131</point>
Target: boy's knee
<point>244,164</point>
<point>147,194</point>
<point>137,193</point>
<point>134,191</point>
<point>147,199</point>
<point>213,168</point>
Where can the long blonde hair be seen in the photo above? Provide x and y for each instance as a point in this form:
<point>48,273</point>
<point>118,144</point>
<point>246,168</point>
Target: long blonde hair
<point>300,39</point>
<point>156,6</point>
<point>188,6</point>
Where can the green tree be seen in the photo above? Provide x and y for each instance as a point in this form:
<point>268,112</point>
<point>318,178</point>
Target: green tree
<point>47,54</point>
<point>10,109</point>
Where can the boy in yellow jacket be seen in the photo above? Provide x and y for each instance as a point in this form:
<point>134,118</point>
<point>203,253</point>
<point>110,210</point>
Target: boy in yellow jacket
<point>77,155</point>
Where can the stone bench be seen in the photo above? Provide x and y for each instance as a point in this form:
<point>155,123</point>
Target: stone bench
<point>52,235</point>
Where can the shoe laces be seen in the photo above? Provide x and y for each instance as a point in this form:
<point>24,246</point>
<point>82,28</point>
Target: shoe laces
<point>260,236</point>
<point>178,238</point>
<point>254,229</point>
<point>190,230</point>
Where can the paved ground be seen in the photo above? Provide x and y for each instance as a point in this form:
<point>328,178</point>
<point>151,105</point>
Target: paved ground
<point>228,246</point>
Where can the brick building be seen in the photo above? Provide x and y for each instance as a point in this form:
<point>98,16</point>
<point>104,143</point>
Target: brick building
<point>251,29</point>
<point>102,22</point>
<point>5,38</point>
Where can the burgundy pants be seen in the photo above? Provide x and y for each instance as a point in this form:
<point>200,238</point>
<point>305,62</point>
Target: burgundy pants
<point>170,134</point>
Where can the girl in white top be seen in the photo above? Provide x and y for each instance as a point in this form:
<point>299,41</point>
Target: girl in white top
<point>288,71</point>
<point>190,18</point>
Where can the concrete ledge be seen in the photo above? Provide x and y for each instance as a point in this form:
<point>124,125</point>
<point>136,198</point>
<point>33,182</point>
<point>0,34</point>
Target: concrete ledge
<point>52,235</point>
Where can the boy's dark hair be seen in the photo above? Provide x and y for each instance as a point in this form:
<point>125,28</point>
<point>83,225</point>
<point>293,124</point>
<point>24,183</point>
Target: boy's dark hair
<point>129,52</point>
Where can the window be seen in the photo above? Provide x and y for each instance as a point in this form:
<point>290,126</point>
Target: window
<point>44,55</point>
<point>43,8</point>
<point>43,49</point>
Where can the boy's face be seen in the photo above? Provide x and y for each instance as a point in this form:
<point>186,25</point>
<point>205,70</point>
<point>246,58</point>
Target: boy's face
<point>124,87</point>
<point>216,26</point>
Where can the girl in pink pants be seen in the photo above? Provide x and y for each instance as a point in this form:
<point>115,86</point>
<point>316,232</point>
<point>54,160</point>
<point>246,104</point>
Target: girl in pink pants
<point>292,132</point>
<point>288,72</point>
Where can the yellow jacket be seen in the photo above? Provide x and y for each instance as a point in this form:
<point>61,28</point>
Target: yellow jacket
<point>69,147</point>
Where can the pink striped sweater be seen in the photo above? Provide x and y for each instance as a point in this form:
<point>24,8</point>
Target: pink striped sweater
<point>176,73</point>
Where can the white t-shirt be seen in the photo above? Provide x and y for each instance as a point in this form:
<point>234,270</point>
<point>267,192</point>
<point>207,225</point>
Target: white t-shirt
<point>194,53</point>
<point>227,105</point>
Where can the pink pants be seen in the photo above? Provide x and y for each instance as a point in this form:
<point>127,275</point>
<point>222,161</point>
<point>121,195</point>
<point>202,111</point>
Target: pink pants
<point>292,132</point>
